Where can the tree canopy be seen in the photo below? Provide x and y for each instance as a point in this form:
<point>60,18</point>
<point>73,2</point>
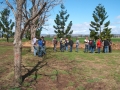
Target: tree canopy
<point>60,28</point>
<point>6,24</point>
<point>99,29</point>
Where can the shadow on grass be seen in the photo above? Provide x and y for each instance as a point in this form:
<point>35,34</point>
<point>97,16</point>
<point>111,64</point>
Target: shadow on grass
<point>39,65</point>
<point>34,69</point>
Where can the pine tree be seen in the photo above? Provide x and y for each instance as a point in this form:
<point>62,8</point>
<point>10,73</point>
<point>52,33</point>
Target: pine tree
<point>60,22</point>
<point>99,28</point>
<point>6,24</point>
<point>106,33</point>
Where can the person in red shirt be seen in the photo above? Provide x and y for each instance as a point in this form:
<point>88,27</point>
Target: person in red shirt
<point>99,43</point>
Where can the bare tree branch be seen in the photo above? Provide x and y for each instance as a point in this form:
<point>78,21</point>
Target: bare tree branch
<point>7,2</point>
<point>28,21</point>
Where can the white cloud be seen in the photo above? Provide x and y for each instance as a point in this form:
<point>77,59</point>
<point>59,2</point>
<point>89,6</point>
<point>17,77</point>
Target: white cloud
<point>115,30</point>
<point>118,17</point>
<point>113,27</point>
<point>80,28</point>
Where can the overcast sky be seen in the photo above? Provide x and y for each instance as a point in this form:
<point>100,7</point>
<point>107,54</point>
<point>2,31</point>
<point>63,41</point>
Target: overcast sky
<point>81,15</point>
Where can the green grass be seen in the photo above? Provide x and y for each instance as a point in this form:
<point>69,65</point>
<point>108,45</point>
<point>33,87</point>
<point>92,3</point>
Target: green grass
<point>11,40</point>
<point>70,70</point>
<point>114,40</point>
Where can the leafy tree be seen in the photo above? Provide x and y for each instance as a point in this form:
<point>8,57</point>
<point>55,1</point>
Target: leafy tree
<point>19,10</point>
<point>99,28</point>
<point>6,24</point>
<point>60,22</point>
<point>1,32</point>
<point>41,18</point>
<point>38,32</point>
<point>106,33</point>
<point>28,35</point>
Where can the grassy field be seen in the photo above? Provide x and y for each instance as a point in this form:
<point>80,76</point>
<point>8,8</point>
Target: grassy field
<point>62,70</point>
<point>10,40</point>
<point>115,40</point>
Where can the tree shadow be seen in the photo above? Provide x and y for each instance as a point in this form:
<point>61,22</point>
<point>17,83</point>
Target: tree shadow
<point>39,65</point>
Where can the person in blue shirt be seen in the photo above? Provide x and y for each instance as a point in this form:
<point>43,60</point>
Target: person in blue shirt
<point>40,44</point>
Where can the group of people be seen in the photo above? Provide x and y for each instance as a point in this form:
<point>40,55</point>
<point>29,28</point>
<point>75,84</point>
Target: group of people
<point>91,45</point>
<point>65,44</point>
<point>39,47</point>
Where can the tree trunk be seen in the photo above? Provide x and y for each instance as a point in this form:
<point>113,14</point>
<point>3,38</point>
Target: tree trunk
<point>18,45</point>
<point>7,39</point>
<point>33,32</point>
<point>17,64</point>
<point>32,28</point>
<point>100,32</point>
<point>2,34</point>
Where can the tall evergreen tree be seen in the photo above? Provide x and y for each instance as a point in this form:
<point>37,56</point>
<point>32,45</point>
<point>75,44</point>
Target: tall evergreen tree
<point>99,28</point>
<point>60,22</point>
<point>6,24</point>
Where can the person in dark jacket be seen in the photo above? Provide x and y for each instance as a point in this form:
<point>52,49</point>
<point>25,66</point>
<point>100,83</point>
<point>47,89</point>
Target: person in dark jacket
<point>40,43</point>
<point>71,44</point>
<point>92,45</point>
<point>110,46</point>
<point>106,46</point>
<point>43,45</point>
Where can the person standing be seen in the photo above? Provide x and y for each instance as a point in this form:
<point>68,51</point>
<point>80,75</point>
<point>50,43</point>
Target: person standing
<point>77,44</point>
<point>33,41</point>
<point>66,44</point>
<point>54,43</point>
<point>40,43</point>
<point>106,46</point>
<point>110,46</point>
<point>35,48</point>
<point>86,41</point>
<point>71,44</point>
<point>43,45</point>
<point>63,45</point>
<point>98,45</point>
<point>91,45</point>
